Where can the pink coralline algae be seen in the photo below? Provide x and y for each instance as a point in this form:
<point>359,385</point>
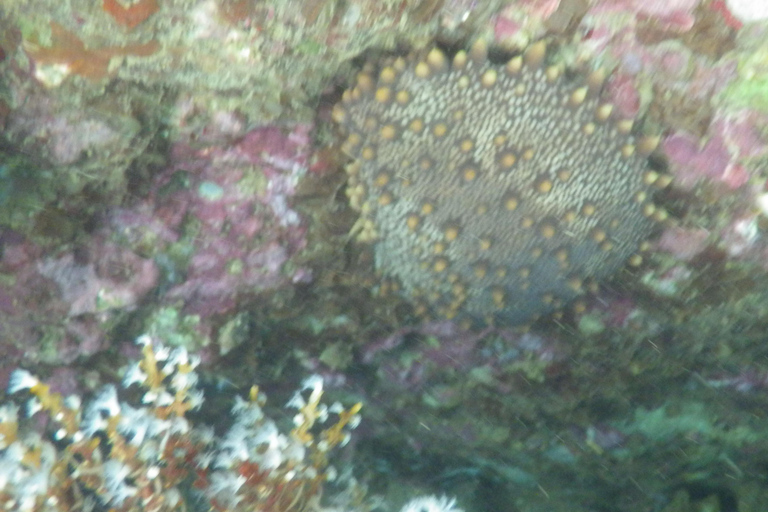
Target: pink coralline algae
<point>675,13</point>
<point>528,15</point>
<point>724,157</point>
<point>611,309</point>
<point>57,307</point>
<point>198,126</point>
<point>671,14</point>
<point>738,238</point>
<point>623,93</point>
<point>452,349</point>
<point>228,209</point>
<point>683,243</point>
<point>62,137</point>
<point>112,278</point>
<point>76,148</point>
<point>671,67</point>
<point>215,226</point>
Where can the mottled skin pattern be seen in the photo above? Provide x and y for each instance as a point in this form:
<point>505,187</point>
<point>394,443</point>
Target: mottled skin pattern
<point>493,192</point>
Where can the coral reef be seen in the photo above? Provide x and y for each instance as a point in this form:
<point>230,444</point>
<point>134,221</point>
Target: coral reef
<point>171,167</point>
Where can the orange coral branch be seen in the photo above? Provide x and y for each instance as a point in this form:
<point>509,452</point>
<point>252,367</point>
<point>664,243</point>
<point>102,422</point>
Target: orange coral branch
<point>69,50</point>
<point>133,15</point>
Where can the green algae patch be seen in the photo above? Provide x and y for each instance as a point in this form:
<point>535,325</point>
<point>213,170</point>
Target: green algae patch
<point>177,329</point>
<point>750,89</point>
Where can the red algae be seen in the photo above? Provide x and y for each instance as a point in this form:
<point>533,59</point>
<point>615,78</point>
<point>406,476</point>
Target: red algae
<point>132,16</point>
<point>69,50</point>
<point>720,7</point>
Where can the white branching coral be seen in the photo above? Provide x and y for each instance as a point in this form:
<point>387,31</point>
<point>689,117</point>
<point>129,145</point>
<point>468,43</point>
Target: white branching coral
<point>431,504</point>
<point>149,456</point>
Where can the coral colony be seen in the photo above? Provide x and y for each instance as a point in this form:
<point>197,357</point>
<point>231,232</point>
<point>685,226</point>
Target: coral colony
<point>149,456</point>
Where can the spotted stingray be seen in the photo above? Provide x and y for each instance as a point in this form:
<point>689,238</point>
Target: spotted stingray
<point>494,192</point>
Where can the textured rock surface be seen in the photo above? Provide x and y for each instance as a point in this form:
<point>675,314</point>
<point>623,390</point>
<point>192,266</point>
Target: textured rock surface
<point>494,191</point>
